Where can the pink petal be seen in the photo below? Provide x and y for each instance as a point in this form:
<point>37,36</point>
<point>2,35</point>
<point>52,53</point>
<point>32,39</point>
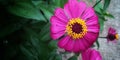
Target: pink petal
<point>92,20</point>
<point>91,54</point>
<point>69,46</point>
<point>82,7</point>
<point>95,55</point>
<point>81,44</point>
<point>63,41</point>
<point>56,21</point>
<point>76,47</point>
<point>74,9</point>
<point>89,12</point>
<point>56,35</point>
<point>91,37</point>
<point>86,54</point>
<point>57,29</point>
<point>93,28</point>
<point>111,31</point>
<point>67,10</point>
<point>56,25</point>
<point>85,43</point>
<point>61,15</point>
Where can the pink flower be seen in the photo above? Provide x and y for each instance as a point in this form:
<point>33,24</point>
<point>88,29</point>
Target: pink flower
<point>91,54</point>
<point>112,35</point>
<point>76,25</point>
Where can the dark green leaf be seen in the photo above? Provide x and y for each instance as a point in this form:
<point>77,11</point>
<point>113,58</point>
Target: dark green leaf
<point>98,45</point>
<point>58,57</point>
<point>109,15</point>
<point>106,4</point>
<point>11,27</point>
<point>98,7</point>
<point>26,51</point>
<point>59,3</point>
<point>47,13</point>
<point>53,44</point>
<point>26,10</point>
<point>101,21</point>
<point>45,33</point>
<point>73,58</point>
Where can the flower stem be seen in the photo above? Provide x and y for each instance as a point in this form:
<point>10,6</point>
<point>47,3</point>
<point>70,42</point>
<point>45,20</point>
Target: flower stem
<point>97,3</point>
<point>102,37</point>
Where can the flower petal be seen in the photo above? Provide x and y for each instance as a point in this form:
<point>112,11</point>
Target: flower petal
<point>56,35</point>
<point>76,47</point>
<point>67,10</point>
<point>91,37</point>
<point>85,55</point>
<point>56,25</point>
<point>81,44</point>
<point>82,7</point>
<point>112,31</point>
<point>91,54</point>
<point>93,28</point>
<point>74,9</point>
<point>56,21</point>
<point>92,20</point>
<point>89,12</point>
<point>95,55</point>
<point>69,46</point>
<point>61,15</point>
<point>63,41</point>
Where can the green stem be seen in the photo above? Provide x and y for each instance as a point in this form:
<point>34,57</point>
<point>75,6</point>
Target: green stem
<point>97,3</point>
<point>102,37</point>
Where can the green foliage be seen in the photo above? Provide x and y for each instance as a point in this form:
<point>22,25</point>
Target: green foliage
<point>25,29</point>
<point>101,11</point>
<point>106,4</point>
<point>26,9</point>
<point>98,45</point>
<point>73,58</point>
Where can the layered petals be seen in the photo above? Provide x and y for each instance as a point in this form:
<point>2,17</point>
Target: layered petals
<point>112,35</point>
<point>74,9</point>
<point>88,13</point>
<point>57,27</point>
<point>77,24</point>
<point>91,54</point>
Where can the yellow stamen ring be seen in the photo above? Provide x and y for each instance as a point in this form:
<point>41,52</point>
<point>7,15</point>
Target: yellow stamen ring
<point>71,32</point>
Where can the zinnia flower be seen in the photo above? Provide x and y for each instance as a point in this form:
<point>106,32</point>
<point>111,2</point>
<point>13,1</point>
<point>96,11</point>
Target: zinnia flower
<point>112,35</point>
<point>76,26</point>
<point>91,54</point>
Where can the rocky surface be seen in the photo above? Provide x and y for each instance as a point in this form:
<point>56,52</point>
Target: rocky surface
<point>111,51</point>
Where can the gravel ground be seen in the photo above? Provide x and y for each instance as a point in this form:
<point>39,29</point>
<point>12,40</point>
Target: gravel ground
<point>111,51</point>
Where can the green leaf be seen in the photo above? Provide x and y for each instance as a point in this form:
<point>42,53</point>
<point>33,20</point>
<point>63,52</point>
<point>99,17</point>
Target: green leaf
<point>98,45</point>
<point>26,10</point>
<point>108,15</point>
<point>11,27</point>
<point>53,44</point>
<point>44,35</point>
<point>59,3</point>
<point>58,57</point>
<point>98,7</point>
<point>101,21</point>
<point>106,4</point>
<point>73,58</point>
<point>26,51</point>
<point>55,56</point>
<point>47,13</point>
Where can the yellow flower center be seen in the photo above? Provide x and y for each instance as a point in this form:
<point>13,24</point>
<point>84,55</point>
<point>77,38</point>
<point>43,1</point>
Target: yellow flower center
<point>76,28</point>
<point>116,36</point>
